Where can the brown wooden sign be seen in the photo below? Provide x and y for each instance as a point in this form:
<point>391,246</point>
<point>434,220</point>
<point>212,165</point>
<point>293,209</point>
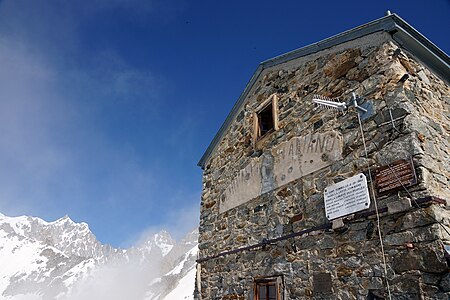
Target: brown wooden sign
<point>395,176</point>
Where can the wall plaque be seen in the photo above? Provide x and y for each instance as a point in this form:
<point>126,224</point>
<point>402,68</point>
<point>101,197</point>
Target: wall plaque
<point>322,283</point>
<point>394,176</point>
<point>284,163</point>
<point>346,197</point>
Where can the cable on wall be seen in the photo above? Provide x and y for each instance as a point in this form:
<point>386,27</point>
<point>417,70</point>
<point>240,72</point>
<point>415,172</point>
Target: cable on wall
<point>372,188</point>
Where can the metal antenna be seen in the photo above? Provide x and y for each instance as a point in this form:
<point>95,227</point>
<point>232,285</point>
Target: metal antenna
<point>329,103</point>
<point>365,111</point>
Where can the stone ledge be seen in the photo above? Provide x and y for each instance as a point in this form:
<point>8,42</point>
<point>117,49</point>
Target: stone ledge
<point>400,205</point>
<point>337,224</point>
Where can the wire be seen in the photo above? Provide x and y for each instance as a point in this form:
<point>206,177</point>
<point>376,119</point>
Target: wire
<point>409,194</point>
<point>398,179</point>
<point>415,202</point>
<point>403,186</point>
<point>376,210</point>
<point>392,121</point>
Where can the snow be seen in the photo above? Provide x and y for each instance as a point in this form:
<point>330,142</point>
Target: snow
<point>179,267</point>
<point>25,297</point>
<point>20,224</point>
<point>165,248</point>
<point>27,256</point>
<point>185,287</point>
<point>156,280</point>
<point>79,271</point>
<point>164,242</point>
<point>18,256</point>
<point>65,254</point>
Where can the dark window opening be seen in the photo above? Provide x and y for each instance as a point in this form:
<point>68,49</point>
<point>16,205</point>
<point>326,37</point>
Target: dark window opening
<point>265,120</point>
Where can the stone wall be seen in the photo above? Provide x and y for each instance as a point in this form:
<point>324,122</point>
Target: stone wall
<point>413,233</point>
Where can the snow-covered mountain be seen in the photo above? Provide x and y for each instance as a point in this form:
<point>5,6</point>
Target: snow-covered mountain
<point>63,260</point>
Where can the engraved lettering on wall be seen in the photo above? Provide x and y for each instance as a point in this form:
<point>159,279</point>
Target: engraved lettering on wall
<point>288,161</point>
<point>301,156</point>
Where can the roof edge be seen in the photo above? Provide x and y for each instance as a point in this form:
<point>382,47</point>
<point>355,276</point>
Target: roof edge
<point>234,110</point>
<point>403,33</point>
<point>386,23</point>
<point>422,48</point>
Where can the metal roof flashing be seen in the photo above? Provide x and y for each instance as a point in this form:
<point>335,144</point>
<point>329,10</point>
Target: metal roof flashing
<point>403,33</point>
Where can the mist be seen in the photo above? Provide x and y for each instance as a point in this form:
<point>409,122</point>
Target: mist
<point>138,275</point>
<point>79,123</point>
<point>76,122</point>
<point>118,281</point>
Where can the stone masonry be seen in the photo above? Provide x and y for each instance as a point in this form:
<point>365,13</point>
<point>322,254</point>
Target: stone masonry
<point>283,230</point>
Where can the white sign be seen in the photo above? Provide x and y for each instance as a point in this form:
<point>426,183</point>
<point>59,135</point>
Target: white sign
<point>346,197</point>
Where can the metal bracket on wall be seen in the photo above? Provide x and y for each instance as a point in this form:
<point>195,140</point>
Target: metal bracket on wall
<point>365,110</point>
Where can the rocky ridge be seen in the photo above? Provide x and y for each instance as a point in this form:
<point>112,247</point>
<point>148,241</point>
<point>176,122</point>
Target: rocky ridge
<point>58,260</point>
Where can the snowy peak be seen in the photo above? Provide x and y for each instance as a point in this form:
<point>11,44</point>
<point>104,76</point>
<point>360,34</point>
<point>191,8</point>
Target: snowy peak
<point>164,241</point>
<point>67,222</point>
<point>161,241</point>
<point>30,262</point>
<point>62,259</point>
<point>20,225</point>
<point>178,282</point>
<point>64,234</point>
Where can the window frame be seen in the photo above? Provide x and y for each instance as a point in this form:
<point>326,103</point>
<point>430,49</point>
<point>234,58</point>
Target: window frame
<point>276,281</point>
<point>273,101</point>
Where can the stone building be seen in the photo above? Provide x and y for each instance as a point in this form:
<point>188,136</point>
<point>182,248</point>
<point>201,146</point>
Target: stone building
<point>330,177</point>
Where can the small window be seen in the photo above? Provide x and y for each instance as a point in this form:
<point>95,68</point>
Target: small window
<point>267,291</point>
<point>266,117</point>
<point>268,288</point>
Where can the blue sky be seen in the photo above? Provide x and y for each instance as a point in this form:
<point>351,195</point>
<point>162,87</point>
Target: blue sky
<point>107,106</point>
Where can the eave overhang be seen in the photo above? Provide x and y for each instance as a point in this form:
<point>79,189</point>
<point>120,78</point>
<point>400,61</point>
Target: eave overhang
<point>403,33</point>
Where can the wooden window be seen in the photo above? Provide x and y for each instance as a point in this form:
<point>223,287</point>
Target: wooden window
<point>265,118</point>
<point>268,288</point>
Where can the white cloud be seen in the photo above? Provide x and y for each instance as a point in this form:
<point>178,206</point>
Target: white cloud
<point>57,117</point>
<point>184,218</point>
<point>128,280</point>
<point>60,111</point>
<point>29,111</point>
